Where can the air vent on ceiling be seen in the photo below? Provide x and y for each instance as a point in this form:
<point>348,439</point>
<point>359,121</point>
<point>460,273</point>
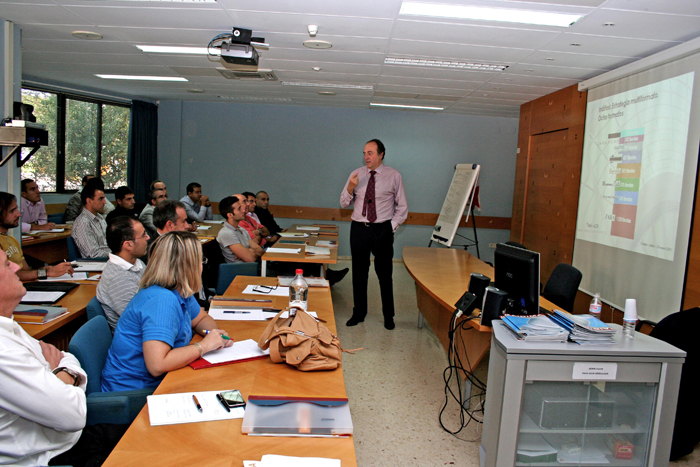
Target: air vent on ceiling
<point>260,75</point>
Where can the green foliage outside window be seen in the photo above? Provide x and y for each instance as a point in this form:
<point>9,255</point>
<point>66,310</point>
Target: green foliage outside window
<point>82,133</point>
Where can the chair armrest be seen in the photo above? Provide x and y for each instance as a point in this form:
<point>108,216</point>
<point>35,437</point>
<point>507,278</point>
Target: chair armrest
<point>115,407</point>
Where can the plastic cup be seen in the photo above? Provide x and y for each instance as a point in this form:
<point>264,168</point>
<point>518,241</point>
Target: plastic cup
<point>630,310</point>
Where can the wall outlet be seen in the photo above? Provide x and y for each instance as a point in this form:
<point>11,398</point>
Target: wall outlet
<point>492,245</point>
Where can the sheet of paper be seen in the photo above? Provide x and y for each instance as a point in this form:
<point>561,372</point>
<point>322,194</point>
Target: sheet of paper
<point>274,460</point>
<point>81,266</point>
<point>171,409</point>
<point>204,240</point>
<point>35,232</point>
<point>238,351</point>
<point>231,313</point>
<point>289,234</point>
<point>327,243</point>
<point>214,222</point>
<point>77,276</point>
<point>203,227</point>
<point>318,251</point>
<point>308,227</point>
<point>278,292</point>
<point>291,251</point>
<point>95,278</point>
<point>44,297</point>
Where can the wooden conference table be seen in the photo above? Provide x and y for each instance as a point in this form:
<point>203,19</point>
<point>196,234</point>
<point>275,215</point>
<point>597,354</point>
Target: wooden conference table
<point>221,443</point>
<point>442,275</point>
<point>302,257</point>
<point>48,247</point>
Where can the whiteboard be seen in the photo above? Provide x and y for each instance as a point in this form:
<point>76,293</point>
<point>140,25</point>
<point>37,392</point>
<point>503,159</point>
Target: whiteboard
<point>458,200</point>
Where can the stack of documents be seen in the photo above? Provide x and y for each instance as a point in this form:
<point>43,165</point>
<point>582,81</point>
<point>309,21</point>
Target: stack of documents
<point>170,409</point>
<point>317,251</point>
<point>291,234</point>
<point>32,314</point>
<point>291,251</point>
<point>535,328</point>
<point>533,448</point>
<point>584,329</point>
<point>274,460</point>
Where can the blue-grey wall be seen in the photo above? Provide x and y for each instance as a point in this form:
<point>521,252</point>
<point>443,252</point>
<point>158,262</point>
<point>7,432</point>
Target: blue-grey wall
<point>302,156</point>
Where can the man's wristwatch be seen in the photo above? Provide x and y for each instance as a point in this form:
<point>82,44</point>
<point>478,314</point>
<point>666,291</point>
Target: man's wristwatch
<point>42,273</point>
<point>74,374</point>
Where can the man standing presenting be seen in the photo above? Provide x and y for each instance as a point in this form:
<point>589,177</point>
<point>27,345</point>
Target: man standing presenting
<point>379,200</point>
<point>33,210</point>
<point>197,204</point>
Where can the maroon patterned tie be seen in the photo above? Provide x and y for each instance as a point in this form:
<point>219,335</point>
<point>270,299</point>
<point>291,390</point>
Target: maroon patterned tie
<point>370,207</point>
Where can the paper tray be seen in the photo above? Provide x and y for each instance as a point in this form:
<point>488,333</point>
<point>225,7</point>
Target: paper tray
<point>296,418</point>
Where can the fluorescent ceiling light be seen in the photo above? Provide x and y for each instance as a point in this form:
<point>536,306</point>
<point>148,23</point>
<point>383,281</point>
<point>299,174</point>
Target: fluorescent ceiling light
<point>256,99</point>
<point>143,78</point>
<point>444,64</point>
<point>173,1</point>
<point>507,15</point>
<point>166,49</point>
<point>328,85</point>
<point>406,106</point>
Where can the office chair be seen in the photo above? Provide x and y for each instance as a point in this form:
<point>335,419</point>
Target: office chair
<point>90,346</point>
<point>55,218</point>
<point>680,330</point>
<point>94,309</point>
<point>73,250</point>
<point>229,271</point>
<point>562,286</point>
<point>516,244</point>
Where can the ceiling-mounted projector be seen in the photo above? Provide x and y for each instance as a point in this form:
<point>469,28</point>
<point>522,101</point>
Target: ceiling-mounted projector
<point>238,47</point>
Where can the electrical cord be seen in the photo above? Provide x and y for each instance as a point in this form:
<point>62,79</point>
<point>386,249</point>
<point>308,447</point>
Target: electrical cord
<point>456,368</point>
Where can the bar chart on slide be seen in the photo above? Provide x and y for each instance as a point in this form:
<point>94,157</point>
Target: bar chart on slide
<point>627,167</point>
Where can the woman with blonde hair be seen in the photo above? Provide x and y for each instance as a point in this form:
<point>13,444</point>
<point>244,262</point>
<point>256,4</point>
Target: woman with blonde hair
<point>153,334</point>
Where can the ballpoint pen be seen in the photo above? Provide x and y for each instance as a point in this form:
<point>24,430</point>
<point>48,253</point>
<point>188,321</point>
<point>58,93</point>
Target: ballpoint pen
<point>223,336</point>
<point>236,312</point>
<point>227,299</point>
<point>223,402</point>
<point>196,402</point>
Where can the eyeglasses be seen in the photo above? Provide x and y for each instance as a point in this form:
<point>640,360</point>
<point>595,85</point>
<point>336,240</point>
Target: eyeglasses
<point>264,288</point>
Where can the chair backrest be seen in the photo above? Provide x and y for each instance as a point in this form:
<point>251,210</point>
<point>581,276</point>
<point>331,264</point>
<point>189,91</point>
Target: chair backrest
<point>229,271</point>
<point>73,251</point>
<point>516,244</point>
<point>56,218</point>
<point>90,346</point>
<point>94,309</point>
<point>562,286</point>
<point>680,330</point>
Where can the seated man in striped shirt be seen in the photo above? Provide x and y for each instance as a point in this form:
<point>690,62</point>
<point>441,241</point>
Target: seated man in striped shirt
<point>128,240</point>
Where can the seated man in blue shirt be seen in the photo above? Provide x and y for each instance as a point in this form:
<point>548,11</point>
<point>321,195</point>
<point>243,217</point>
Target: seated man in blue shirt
<point>197,205</point>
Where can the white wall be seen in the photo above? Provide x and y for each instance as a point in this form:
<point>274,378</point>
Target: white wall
<point>302,156</point>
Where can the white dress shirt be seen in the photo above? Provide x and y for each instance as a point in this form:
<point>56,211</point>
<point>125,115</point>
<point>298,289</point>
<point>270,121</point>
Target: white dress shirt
<point>40,416</point>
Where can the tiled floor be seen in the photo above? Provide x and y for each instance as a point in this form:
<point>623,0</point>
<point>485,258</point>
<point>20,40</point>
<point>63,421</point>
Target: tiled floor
<point>396,386</point>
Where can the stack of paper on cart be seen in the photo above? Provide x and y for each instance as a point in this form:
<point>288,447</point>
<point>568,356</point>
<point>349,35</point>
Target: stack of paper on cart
<point>584,329</point>
<point>535,328</point>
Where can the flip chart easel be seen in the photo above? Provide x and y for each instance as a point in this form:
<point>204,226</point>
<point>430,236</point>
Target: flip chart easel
<point>459,200</point>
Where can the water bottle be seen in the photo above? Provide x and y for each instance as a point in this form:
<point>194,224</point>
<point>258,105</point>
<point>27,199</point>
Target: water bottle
<point>596,307</point>
<point>298,291</point>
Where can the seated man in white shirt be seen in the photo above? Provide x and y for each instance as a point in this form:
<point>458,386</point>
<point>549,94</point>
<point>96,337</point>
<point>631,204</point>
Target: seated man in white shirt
<point>42,402</point>
<point>235,243</point>
<point>197,205</point>
<point>128,240</point>
<point>34,215</point>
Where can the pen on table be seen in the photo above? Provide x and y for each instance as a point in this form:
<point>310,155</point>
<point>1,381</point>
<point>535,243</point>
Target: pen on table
<point>227,299</point>
<point>196,402</point>
<point>223,336</point>
<point>221,399</point>
<point>236,312</point>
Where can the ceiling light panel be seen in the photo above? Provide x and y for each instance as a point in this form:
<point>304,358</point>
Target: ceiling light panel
<point>166,49</point>
<point>142,78</point>
<point>327,85</point>
<point>400,106</point>
<point>508,15</point>
<point>444,64</point>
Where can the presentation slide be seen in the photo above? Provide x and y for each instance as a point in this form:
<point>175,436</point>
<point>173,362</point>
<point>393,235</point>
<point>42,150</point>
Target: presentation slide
<point>632,171</point>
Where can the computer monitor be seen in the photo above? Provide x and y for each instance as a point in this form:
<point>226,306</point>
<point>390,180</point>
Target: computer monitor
<point>517,272</point>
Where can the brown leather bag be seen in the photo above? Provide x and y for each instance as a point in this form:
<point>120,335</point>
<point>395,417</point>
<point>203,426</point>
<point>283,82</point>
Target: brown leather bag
<point>302,342</point>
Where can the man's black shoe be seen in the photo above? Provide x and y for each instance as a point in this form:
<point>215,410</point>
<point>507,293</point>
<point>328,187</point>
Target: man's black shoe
<point>354,321</point>
<point>336,276</point>
<point>389,324</point>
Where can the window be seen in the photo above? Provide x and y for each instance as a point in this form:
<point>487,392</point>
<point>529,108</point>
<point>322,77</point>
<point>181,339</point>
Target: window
<point>86,136</point>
